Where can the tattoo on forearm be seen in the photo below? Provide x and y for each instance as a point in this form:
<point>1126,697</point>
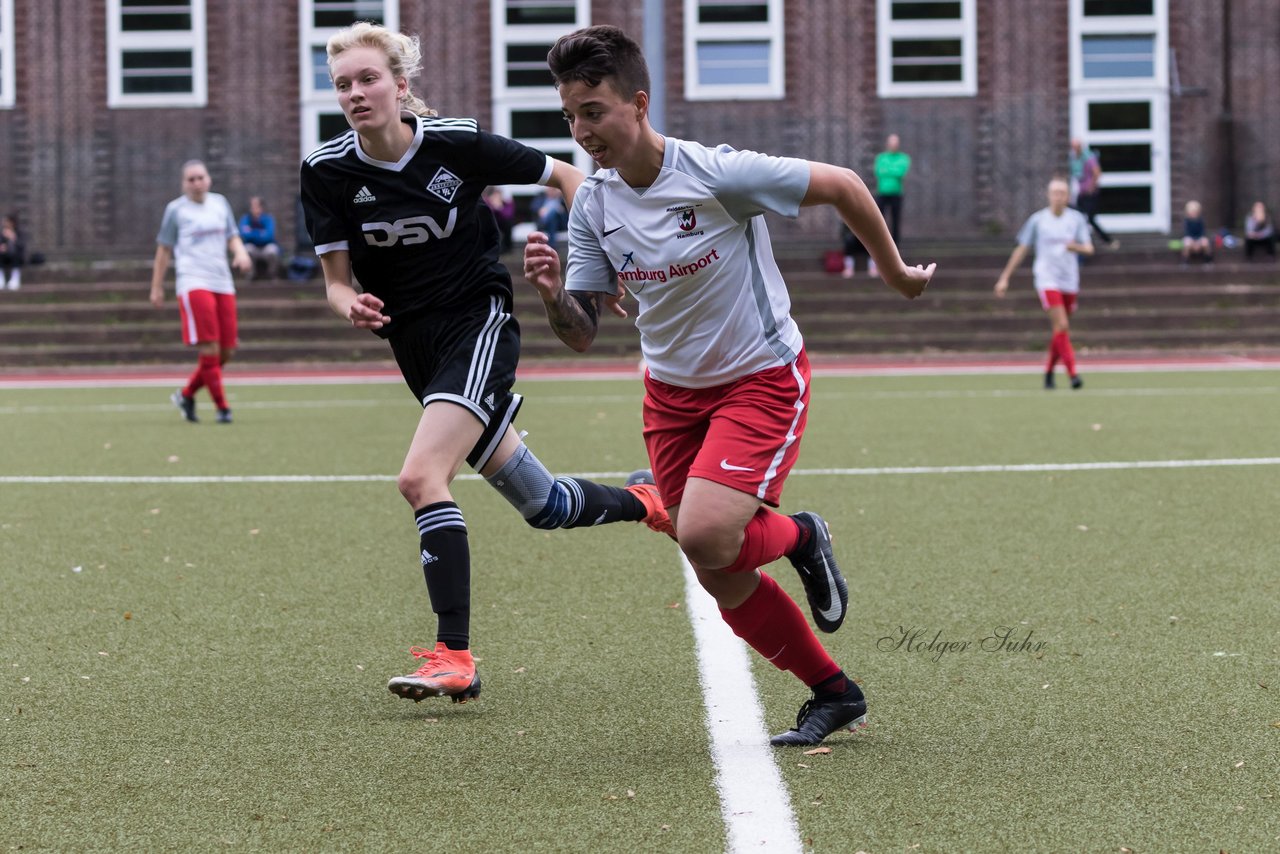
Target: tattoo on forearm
<point>571,321</point>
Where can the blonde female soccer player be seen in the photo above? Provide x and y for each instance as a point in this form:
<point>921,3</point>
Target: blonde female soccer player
<point>396,203</point>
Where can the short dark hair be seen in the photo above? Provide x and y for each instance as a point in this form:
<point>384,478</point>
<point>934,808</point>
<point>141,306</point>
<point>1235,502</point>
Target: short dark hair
<point>590,55</point>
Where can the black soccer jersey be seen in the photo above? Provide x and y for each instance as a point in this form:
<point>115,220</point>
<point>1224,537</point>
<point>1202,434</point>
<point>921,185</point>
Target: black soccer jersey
<point>420,236</point>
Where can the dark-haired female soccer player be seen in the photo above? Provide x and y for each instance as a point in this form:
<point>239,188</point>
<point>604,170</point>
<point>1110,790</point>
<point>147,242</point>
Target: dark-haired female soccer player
<point>727,387</point>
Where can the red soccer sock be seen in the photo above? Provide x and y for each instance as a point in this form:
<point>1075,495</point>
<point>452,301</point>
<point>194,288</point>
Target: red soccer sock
<point>773,625</point>
<point>767,537</point>
<point>211,372</point>
<point>195,382</point>
<point>1063,344</point>
<point>1053,354</point>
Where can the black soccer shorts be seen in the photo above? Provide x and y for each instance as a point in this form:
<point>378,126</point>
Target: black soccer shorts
<point>467,357</point>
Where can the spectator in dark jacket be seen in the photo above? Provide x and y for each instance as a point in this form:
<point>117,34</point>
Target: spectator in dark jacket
<point>1259,231</point>
<point>13,252</point>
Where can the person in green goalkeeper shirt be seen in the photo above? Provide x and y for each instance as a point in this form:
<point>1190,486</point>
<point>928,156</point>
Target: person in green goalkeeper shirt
<point>891,167</point>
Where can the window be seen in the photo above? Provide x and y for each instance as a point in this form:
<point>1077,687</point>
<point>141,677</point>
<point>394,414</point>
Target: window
<point>526,105</point>
<point>926,48</point>
<point>321,117</point>
<point>733,50</point>
<point>156,53</point>
<point>8,89</point>
<point>1097,8</point>
<point>1116,56</point>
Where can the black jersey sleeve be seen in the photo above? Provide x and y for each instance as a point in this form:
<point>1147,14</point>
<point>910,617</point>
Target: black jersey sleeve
<point>505,161</point>
<point>323,218</point>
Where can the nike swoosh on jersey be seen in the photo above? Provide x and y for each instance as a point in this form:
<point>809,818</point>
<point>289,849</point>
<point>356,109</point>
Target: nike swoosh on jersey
<point>727,466</point>
<point>833,610</point>
<point>609,231</point>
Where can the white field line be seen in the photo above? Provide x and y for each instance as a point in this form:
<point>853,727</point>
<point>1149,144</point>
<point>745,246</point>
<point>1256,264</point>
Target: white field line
<point>1028,366</point>
<point>407,404</point>
<point>753,798</point>
<point>1015,468</point>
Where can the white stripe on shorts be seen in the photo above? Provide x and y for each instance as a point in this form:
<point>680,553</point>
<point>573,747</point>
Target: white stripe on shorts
<point>486,346</point>
<point>189,330</point>
<point>791,434</point>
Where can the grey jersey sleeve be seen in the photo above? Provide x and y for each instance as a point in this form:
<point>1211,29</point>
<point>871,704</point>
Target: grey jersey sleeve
<point>168,235</point>
<point>588,268</point>
<point>748,183</point>
<point>1082,229</point>
<point>233,229</point>
<point>1027,234</point>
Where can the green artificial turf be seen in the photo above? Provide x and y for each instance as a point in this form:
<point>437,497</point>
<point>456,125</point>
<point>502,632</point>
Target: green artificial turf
<point>213,675</point>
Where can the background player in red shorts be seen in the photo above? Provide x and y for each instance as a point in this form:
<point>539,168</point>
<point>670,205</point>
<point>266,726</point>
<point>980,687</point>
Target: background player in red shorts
<point>727,379</point>
<point>1059,234</point>
<point>197,229</point>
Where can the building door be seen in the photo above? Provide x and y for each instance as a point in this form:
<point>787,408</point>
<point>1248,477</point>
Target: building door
<point>1120,106</point>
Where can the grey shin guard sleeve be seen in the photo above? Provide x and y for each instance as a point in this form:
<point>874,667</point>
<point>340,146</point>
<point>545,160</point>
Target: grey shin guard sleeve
<point>525,482</point>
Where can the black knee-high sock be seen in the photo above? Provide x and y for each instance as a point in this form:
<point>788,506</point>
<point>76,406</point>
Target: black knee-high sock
<point>446,565</point>
<point>593,504</point>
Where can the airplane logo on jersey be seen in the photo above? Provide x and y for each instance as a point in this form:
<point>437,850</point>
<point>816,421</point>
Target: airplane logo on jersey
<point>444,184</point>
<point>637,278</point>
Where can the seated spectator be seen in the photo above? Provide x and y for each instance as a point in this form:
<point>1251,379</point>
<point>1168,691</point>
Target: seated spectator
<point>13,252</point>
<point>1259,231</point>
<point>1195,239</point>
<point>853,249</point>
<point>258,232</point>
<point>504,212</point>
<point>550,214</point>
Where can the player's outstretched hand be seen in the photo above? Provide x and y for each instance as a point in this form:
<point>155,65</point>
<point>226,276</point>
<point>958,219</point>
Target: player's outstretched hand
<point>912,281</point>
<point>1002,285</point>
<point>242,262</point>
<point>366,312</point>
<point>157,297</point>
<point>542,266</point>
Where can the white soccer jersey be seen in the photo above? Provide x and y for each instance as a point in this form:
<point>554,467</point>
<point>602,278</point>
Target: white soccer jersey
<point>694,250</point>
<point>198,232</point>
<point>1055,269</point>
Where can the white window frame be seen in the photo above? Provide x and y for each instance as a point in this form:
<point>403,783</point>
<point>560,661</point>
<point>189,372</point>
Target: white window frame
<point>8,86</point>
<point>771,31</point>
<point>315,102</point>
<point>965,28</point>
<point>510,99</point>
<point>194,40</point>
<point>1153,90</point>
<point>1155,25</point>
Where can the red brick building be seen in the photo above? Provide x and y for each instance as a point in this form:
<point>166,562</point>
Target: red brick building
<point>102,100</point>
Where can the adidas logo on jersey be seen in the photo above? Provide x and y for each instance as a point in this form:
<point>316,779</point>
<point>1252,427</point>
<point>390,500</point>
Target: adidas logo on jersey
<point>428,557</point>
<point>364,197</point>
<point>444,184</point>
<point>488,401</point>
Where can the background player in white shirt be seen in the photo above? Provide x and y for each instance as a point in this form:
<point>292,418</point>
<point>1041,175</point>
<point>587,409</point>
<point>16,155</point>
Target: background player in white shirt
<point>396,202</point>
<point>727,385</point>
<point>197,229</point>
<point>1059,234</point>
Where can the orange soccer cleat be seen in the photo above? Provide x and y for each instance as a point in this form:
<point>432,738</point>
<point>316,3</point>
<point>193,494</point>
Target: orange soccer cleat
<point>444,673</point>
<point>641,485</point>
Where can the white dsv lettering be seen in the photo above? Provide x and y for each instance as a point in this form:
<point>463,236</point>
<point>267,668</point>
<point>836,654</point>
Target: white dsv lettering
<point>408,230</point>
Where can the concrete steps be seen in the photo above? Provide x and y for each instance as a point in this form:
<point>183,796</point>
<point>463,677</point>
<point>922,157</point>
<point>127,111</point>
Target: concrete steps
<point>1132,300</point>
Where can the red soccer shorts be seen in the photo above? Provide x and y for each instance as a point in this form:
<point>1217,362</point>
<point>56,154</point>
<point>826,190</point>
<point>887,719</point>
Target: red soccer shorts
<point>207,316</point>
<point>744,434</point>
<point>1050,298</point>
